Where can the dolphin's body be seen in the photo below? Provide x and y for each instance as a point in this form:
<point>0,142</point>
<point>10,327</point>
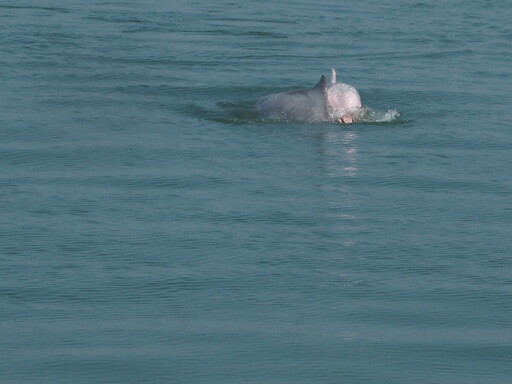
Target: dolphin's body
<point>334,102</point>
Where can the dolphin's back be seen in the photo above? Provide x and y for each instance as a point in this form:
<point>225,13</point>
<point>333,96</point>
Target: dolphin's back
<point>305,105</point>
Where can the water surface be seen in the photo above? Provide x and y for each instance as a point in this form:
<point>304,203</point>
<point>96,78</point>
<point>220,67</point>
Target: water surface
<point>154,229</point>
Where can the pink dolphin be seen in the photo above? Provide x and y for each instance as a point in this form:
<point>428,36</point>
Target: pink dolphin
<point>334,102</point>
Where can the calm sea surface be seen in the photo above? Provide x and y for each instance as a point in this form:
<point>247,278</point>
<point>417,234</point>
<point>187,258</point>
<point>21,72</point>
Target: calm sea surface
<point>154,230</point>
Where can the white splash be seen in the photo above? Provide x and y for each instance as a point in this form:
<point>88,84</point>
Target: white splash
<point>368,115</point>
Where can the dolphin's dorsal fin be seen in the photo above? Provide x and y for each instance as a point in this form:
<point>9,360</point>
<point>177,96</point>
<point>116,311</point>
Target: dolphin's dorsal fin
<point>322,84</point>
<point>333,76</point>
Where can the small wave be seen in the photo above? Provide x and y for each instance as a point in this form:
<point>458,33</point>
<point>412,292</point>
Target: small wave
<point>35,7</point>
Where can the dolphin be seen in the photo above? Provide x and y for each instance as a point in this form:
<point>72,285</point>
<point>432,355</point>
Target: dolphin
<point>331,102</point>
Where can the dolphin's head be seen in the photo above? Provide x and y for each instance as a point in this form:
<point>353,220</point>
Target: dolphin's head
<point>342,100</point>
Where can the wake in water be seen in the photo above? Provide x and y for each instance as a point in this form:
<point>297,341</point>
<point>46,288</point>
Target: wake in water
<point>245,113</point>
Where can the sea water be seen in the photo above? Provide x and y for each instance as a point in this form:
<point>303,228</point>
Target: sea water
<point>153,229</point>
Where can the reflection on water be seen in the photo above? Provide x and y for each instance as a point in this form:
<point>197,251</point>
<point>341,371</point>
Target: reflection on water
<point>342,153</point>
<point>340,164</point>
<point>350,153</point>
